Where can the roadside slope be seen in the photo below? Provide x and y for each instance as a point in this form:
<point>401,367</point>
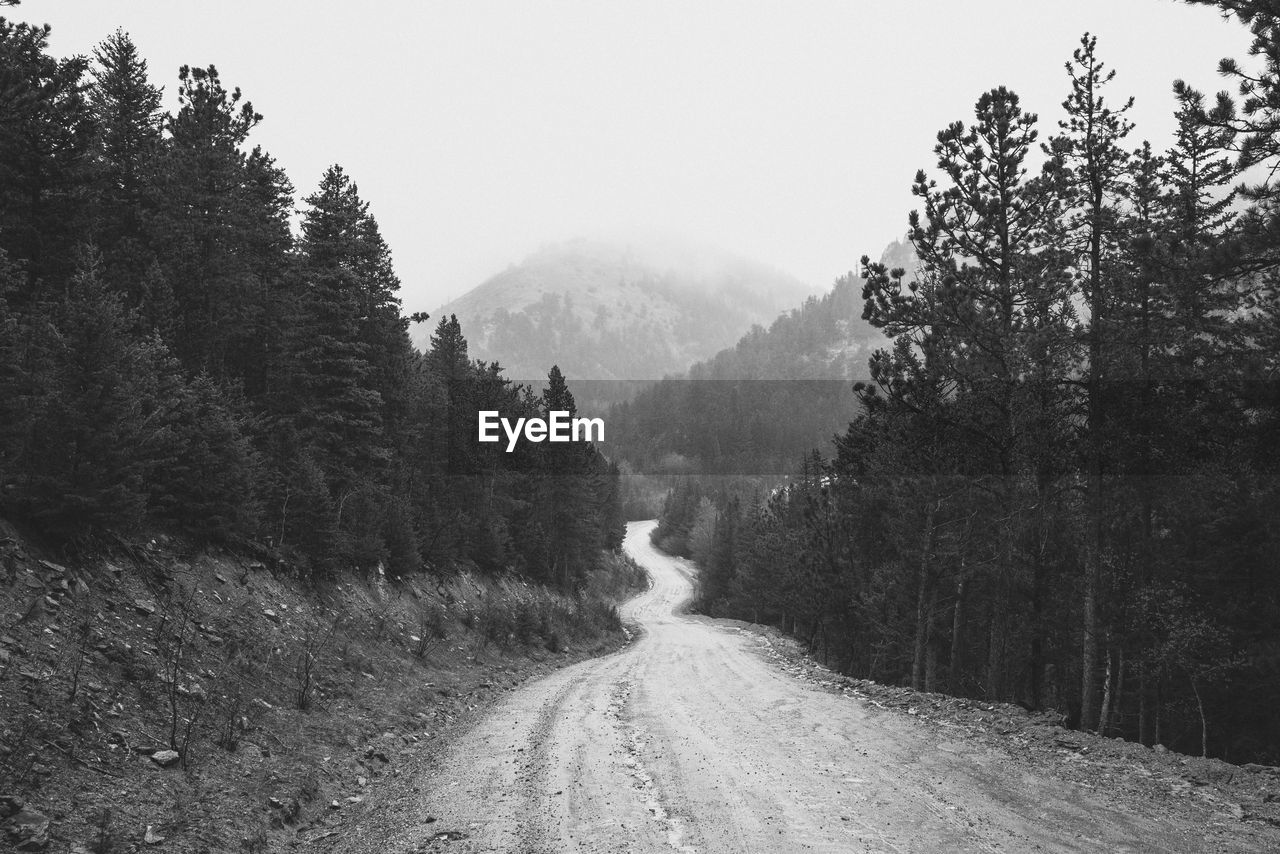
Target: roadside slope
<point>693,739</point>
<point>208,701</point>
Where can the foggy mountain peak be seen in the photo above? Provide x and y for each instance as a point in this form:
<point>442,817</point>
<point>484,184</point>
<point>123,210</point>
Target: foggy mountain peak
<point>612,309</point>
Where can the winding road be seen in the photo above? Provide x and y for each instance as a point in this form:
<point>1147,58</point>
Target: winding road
<point>693,740</point>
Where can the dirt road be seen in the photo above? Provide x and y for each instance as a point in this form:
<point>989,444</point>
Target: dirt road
<point>691,739</point>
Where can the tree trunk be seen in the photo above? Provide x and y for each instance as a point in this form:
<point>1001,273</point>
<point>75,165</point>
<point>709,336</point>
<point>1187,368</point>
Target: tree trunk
<point>1117,701</point>
<point>1148,703</point>
<point>1037,623</point>
<point>853,654</point>
<point>954,669</point>
<point>1089,708</point>
<point>1204,722</point>
<point>1148,680</point>
<point>996,649</point>
<point>922,604</point>
<point>931,653</point>
<point>1108,684</point>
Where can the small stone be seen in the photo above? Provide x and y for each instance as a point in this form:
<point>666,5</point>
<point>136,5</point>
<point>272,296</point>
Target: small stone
<point>10,805</point>
<point>354,799</point>
<point>275,803</point>
<point>151,837</point>
<point>1160,748</point>
<point>30,830</point>
<point>334,805</point>
<point>195,689</point>
<point>165,758</point>
<point>221,579</point>
<point>271,615</point>
<point>142,606</point>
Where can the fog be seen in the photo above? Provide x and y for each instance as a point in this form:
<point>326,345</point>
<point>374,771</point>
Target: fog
<point>782,131</point>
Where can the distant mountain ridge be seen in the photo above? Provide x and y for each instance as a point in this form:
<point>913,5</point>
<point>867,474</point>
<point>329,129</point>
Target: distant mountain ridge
<point>756,408</point>
<point>611,310</point>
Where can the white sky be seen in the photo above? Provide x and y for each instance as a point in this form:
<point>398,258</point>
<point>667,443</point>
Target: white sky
<point>785,131</point>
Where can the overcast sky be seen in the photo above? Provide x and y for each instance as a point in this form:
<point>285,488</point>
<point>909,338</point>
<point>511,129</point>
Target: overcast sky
<point>785,131</point>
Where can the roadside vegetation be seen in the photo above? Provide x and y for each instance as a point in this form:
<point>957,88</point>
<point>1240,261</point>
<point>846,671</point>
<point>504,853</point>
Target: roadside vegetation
<point>201,697</point>
<point>1060,485</point>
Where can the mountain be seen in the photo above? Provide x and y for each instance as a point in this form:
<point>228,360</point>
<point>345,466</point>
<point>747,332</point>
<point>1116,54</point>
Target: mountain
<point>756,408</point>
<point>609,310</point>
<point>902,255</point>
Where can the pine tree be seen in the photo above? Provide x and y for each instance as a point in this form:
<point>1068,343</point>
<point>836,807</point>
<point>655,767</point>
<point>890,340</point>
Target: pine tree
<point>128,120</point>
<point>342,411</point>
<point>45,133</point>
<point>984,325</point>
<point>565,494</point>
<point>205,472</point>
<point>339,232</point>
<point>219,226</point>
<point>99,418</point>
<point>1093,174</point>
<point>24,375</point>
<point>448,363</point>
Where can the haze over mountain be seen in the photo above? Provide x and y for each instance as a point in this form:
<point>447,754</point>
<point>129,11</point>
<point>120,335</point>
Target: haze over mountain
<point>618,310</point>
<point>757,407</point>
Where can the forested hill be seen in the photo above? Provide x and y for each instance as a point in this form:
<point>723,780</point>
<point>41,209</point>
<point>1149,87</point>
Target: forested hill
<point>759,406</point>
<point>606,310</point>
<point>173,356</point>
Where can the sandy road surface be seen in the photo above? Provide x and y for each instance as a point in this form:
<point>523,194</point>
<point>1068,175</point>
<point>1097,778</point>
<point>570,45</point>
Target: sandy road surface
<point>691,740</point>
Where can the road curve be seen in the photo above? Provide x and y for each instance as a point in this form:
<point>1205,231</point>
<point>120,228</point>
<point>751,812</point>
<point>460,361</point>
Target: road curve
<point>691,740</point>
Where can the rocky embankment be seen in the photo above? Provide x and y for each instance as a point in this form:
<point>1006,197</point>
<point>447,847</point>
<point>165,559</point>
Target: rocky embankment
<point>157,698</point>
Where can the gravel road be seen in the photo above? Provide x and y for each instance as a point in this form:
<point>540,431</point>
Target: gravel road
<point>692,739</point>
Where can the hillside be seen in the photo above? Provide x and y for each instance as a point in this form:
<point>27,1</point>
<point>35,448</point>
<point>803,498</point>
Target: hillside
<point>757,407</point>
<point>618,311</point>
<point>212,701</point>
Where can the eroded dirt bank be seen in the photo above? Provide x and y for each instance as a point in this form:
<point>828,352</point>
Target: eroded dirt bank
<point>159,700</point>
